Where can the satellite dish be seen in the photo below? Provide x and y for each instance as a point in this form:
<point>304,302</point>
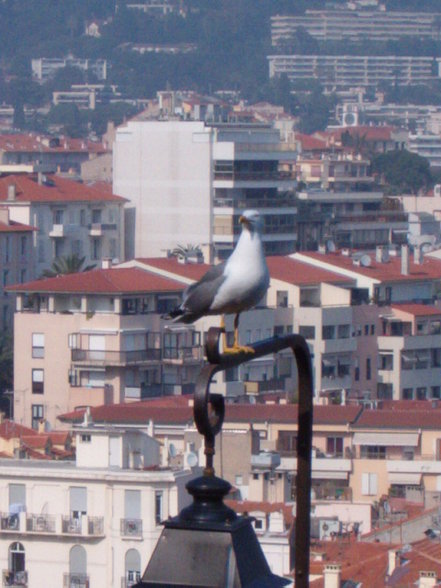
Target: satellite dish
<point>172,450</point>
<point>365,260</point>
<point>330,246</point>
<point>192,459</point>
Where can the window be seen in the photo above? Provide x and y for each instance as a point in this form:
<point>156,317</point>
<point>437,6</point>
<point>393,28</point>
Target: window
<point>287,442</point>
<point>238,481</point>
<point>344,331</point>
<point>258,524</point>
<point>37,411</point>
<point>96,249</point>
<point>7,252</point>
<point>58,217</point>
<point>158,507</point>
<point>407,393</point>
<point>373,452</point>
<point>372,329</point>
<point>5,277</point>
<point>328,332</point>
<point>37,381</point>
<point>435,391</point>
<point>78,501</point>
<point>421,393</point>
<point>82,217</point>
<point>85,438</point>
<point>23,276</point>
<point>96,215</point>
<point>369,484</point>
<point>23,246</point>
<point>334,446</point>
<point>368,368</point>
<point>366,329</point>
<point>307,331</point>
<point>37,345</point>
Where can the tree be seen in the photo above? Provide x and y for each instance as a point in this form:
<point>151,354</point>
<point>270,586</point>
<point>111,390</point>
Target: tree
<point>402,171</point>
<point>68,264</point>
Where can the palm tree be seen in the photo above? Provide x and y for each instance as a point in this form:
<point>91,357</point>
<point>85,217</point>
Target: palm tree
<point>187,251</point>
<point>68,264</point>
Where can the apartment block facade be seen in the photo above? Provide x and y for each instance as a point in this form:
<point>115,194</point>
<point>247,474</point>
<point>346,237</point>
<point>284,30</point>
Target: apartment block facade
<point>340,72</point>
<point>70,218</point>
<point>351,25</point>
<point>93,522</point>
<point>188,182</point>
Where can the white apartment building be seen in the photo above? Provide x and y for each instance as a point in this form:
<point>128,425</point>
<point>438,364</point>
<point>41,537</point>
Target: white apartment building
<point>188,182</point>
<point>352,25</point>
<point>70,218</point>
<point>44,68</point>
<point>426,145</point>
<point>340,72</point>
<point>89,523</point>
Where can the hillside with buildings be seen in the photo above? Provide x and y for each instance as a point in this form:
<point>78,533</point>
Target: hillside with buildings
<point>133,136</point>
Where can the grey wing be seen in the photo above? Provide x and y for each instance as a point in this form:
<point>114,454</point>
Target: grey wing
<point>199,296</point>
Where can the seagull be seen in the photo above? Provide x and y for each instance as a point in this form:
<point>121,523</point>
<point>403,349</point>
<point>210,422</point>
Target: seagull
<point>233,286</point>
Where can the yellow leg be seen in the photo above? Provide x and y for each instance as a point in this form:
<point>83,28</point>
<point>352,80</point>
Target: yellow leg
<point>237,348</point>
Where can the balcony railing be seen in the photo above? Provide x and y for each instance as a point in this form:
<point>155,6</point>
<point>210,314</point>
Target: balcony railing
<point>11,578</point>
<point>75,581</point>
<point>116,357</point>
<point>254,176</point>
<point>332,493</point>
<point>9,522</point>
<point>71,526</point>
<point>285,200</point>
<point>40,523</point>
<point>131,527</point>
<point>193,353</point>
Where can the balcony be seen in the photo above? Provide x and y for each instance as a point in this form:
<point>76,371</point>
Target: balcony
<point>115,358</point>
<point>331,492</point>
<point>11,578</point>
<point>40,523</point>
<point>83,527</point>
<point>58,231</point>
<point>131,528</point>
<point>75,581</point>
<point>181,355</point>
<point>285,200</point>
<point>98,229</point>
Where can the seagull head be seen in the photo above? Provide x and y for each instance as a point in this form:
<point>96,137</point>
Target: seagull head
<point>251,220</point>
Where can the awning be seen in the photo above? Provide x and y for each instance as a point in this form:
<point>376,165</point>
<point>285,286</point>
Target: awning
<point>338,475</point>
<point>405,479</point>
<point>389,439</point>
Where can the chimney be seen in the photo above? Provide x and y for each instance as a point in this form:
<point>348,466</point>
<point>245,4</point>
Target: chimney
<point>12,193</point>
<point>379,254</point>
<point>392,559</point>
<point>405,260</point>
<point>42,426</point>
<point>427,579</point>
<point>417,255</point>
<point>332,576</point>
<point>106,263</point>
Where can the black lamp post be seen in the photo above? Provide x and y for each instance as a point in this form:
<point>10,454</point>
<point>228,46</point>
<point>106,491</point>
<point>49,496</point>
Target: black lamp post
<point>207,544</point>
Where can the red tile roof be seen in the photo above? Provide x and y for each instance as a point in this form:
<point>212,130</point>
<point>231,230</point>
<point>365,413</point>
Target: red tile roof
<point>10,430</point>
<point>32,142</point>
<point>142,412</point>
<point>399,419</point>
<point>103,281</point>
<point>430,269</point>
<point>380,133</point>
<point>13,227</point>
<point>300,273</point>
<point>418,309</point>
<point>310,143</point>
<point>56,189</point>
<point>36,441</point>
<point>192,271</point>
<point>361,562</point>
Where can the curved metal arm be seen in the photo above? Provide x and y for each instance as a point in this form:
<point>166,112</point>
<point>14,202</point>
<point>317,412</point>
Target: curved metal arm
<point>209,411</point>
